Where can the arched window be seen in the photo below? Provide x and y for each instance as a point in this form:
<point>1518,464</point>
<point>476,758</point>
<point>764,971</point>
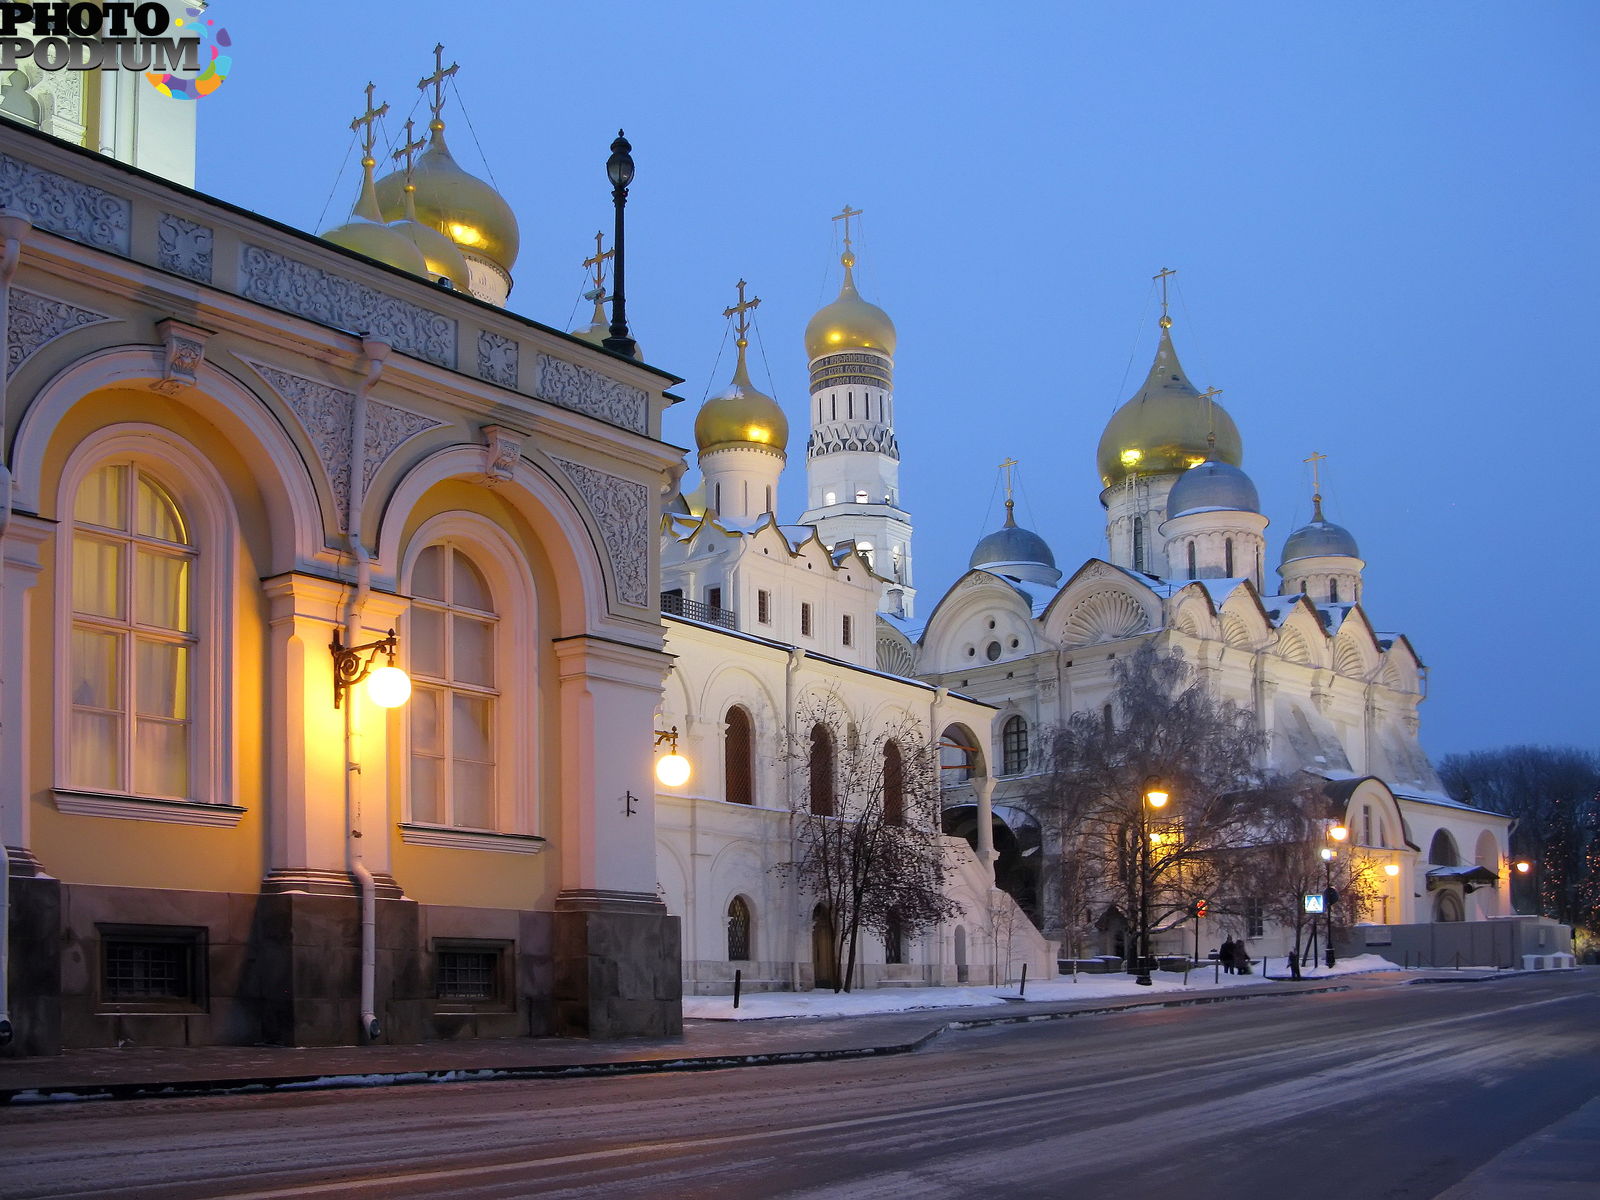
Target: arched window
<point>738,754</point>
<point>1333,591</point>
<point>1014,746</point>
<point>739,930</point>
<point>955,756</point>
<point>1138,543</point>
<point>1191,560</point>
<point>454,702</point>
<point>1227,558</point>
<point>1442,852</point>
<point>894,784</point>
<point>821,770</point>
<point>134,637</point>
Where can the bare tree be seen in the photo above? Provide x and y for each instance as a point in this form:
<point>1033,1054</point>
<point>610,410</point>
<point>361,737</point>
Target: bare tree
<point>1554,794</point>
<point>1162,723</point>
<point>866,833</point>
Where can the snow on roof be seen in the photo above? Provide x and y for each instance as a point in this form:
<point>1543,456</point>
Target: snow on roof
<point>1440,800</point>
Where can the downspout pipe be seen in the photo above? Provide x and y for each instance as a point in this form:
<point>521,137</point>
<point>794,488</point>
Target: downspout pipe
<point>12,230</point>
<point>373,355</point>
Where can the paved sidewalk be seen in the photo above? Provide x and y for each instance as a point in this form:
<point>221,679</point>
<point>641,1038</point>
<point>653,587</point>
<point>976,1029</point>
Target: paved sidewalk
<point>140,1072</point>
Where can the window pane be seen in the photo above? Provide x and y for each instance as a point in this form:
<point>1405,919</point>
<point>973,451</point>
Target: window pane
<point>97,577</point>
<point>94,758</point>
<point>469,588</point>
<point>425,735</point>
<point>427,798</point>
<point>471,734</point>
<point>161,590</point>
<point>102,498</point>
<point>472,785</point>
<point>474,651</point>
<point>155,515</point>
<point>427,577</point>
<point>161,758</point>
<point>96,673</point>
<point>161,678</point>
<point>427,641</point>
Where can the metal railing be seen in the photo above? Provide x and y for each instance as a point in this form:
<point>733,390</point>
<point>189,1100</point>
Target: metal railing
<point>676,605</point>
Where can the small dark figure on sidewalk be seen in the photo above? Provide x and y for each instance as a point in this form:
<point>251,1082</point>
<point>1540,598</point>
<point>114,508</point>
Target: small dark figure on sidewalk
<point>1241,958</point>
<point>1228,949</point>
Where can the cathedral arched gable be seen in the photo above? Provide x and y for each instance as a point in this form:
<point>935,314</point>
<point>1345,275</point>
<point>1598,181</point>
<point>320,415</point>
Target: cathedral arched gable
<point>1192,612</point>
<point>1353,657</point>
<point>952,625</point>
<point>1301,638</point>
<point>1401,669</point>
<point>1101,612</point>
<point>294,504</point>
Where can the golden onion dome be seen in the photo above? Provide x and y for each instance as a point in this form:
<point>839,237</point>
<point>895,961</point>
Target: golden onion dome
<point>441,255</point>
<point>849,323</point>
<point>1166,427</point>
<point>741,416</point>
<point>365,232</point>
<point>463,207</point>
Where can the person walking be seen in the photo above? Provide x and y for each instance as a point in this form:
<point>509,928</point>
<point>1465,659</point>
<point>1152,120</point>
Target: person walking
<point>1227,955</point>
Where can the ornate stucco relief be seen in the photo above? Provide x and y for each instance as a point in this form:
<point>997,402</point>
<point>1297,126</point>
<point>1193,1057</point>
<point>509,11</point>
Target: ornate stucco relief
<point>184,247</point>
<point>283,283</point>
<point>621,509</point>
<point>324,411</point>
<point>76,210</point>
<point>36,320</point>
<point>586,391</point>
<point>498,359</point>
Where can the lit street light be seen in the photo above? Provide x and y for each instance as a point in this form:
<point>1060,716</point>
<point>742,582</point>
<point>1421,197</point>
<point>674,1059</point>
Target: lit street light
<point>1155,797</point>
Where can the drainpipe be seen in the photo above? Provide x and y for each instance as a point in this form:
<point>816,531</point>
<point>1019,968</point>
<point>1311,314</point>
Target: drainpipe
<point>373,354</point>
<point>797,658</point>
<point>12,229</point>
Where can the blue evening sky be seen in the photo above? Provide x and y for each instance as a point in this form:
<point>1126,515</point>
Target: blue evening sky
<point>1382,215</point>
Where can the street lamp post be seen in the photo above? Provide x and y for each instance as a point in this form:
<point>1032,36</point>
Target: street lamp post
<point>1525,866</point>
<point>1155,797</point>
<point>619,169</point>
<point>1392,870</point>
<point>1337,834</point>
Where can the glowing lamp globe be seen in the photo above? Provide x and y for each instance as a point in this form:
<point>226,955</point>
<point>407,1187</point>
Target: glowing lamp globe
<point>1391,869</point>
<point>1327,855</point>
<point>1338,833</point>
<point>672,769</point>
<point>388,687</point>
<point>1156,797</point>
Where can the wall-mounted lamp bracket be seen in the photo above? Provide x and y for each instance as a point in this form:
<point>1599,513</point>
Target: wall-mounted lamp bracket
<point>349,668</point>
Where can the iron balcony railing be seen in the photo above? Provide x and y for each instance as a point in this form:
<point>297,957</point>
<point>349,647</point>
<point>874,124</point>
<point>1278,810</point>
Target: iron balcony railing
<point>676,605</point>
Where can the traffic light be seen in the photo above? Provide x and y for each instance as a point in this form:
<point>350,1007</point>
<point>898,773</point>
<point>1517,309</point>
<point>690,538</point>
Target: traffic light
<point>1199,908</point>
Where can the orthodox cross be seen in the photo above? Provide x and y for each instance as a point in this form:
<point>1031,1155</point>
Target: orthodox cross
<point>1166,321</point>
<point>739,311</point>
<point>1211,417</point>
<point>598,262</point>
<point>436,80</point>
<point>409,148</point>
<point>1316,460</point>
<point>1006,467</point>
<point>845,216</point>
<point>364,122</point>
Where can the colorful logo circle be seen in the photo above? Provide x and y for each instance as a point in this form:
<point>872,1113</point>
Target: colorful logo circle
<point>214,41</point>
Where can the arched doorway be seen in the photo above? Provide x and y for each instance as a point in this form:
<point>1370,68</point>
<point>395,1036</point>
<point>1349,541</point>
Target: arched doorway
<point>961,954</point>
<point>822,970</point>
<point>1016,848</point>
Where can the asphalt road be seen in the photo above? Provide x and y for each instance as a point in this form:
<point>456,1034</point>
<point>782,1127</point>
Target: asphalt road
<point>1385,1091</point>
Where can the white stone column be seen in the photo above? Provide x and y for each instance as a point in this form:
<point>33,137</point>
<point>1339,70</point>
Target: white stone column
<point>984,787</point>
<point>19,701</point>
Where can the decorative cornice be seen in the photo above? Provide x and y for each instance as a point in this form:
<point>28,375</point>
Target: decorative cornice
<point>590,392</point>
<point>79,211</point>
<point>621,509</point>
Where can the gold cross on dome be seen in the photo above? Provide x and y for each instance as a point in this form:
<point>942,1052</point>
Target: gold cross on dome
<point>1316,460</point>
<point>1209,396</point>
<point>365,122</point>
<point>436,80</point>
<point>598,262</point>
<point>1166,321</point>
<point>408,149</point>
<point>743,325</point>
<point>1007,467</point>
<point>845,216</point>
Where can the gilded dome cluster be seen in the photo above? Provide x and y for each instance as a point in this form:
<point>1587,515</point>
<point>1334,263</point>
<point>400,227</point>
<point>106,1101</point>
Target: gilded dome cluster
<point>1166,426</point>
<point>462,207</point>
<point>849,323</point>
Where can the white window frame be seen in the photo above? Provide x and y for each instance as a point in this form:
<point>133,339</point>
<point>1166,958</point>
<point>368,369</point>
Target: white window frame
<point>200,493</point>
<point>517,714</point>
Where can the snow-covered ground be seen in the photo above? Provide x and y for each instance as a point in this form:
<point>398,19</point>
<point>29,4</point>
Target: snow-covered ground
<point>755,1006</point>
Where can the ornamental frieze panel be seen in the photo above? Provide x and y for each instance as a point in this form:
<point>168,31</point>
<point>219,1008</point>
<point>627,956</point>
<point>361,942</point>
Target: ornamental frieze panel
<point>184,247</point>
<point>283,283</point>
<point>75,210</point>
<point>35,321</point>
<point>582,390</point>
<point>324,413</point>
<point>497,359</point>
<point>621,510</point>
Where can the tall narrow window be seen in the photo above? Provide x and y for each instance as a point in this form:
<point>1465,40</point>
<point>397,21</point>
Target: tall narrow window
<point>1138,543</point>
<point>1333,591</point>
<point>1366,825</point>
<point>1191,560</point>
<point>764,606</point>
<point>133,637</point>
<point>894,940</point>
<point>805,619</point>
<point>453,705</point>
<point>769,499</point>
<point>739,930</point>
<point>1255,918</point>
<point>738,758</point>
<point>1108,719</point>
<point>1014,746</point>
<point>714,597</point>
<point>847,632</point>
<point>1227,558</point>
<point>821,771</point>
<point>894,784</point>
